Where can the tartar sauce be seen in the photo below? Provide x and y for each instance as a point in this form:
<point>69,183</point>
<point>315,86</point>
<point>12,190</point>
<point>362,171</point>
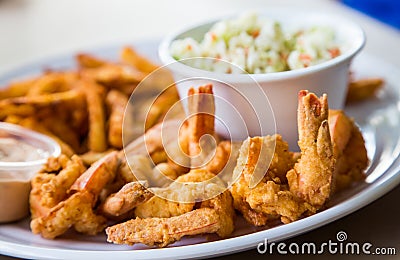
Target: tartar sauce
<point>14,150</point>
<point>15,182</point>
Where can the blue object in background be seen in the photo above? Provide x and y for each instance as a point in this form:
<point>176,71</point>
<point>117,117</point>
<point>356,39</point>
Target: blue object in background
<point>387,11</point>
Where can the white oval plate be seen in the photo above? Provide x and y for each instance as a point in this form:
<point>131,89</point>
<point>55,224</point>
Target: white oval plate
<point>380,122</point>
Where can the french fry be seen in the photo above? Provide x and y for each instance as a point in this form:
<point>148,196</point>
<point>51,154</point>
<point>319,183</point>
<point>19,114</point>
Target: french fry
<point>43,100</point>
<point>13,119</point>
<point>363,89</point>
<point>62,130</point>
<point>116,102</point>
<point>33,124</point>
<point>126,89</point>
<point>90,157</point>
<point>76,114</point>
<point>131,57</point>
<point>95,95</point>
<point>89,61</point>
<point>161,106</point>
<point>28,105</point>
<point>17,110</point>
<point>113,75</point>
<point>70,106</point>
<point>16,89</point>
<point>159,156</point>
<point>52,82</point>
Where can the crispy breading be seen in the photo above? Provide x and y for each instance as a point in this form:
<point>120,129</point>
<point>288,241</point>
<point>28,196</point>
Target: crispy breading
<point>249,155</point>
<point>309,180</point>
<point>164,231</point>
<point>348,149</point>
<point>51,183</point>
<point>98,175</point>
<point>201,123</point>
<point>77,209</point>
<point>162,208</point>
<point>127,198</point>
<point>223,205</point>
<point>277,201</point>
<point>221,157</point>
<point>311,177</point>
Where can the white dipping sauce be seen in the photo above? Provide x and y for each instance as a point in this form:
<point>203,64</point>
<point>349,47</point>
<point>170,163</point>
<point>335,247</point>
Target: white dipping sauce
<point>13,150</point>
<point>15,183</point>
<point>14,199</point>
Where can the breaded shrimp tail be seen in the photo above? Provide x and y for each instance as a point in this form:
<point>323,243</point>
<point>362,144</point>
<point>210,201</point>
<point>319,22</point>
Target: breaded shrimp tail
<point>312,176</point>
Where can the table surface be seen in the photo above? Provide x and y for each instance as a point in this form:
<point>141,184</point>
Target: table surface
<point>36,29</point>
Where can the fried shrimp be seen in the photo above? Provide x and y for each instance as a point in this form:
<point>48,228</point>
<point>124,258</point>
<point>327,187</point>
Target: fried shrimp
<point>348,149</point>
<point>127,198</point>
<point>164,231</point>
<point>77,209</point>
<point>250,153</point>
<point>51,183</point>
<point>213,216</point>
<point>200,123</point>
<point>98,175</point>
<point>161,222</point>
<point>176,199</point>
<point>290,189</point>
<point>73,211</point>
<point>311,177</point>
<point>277,202</point>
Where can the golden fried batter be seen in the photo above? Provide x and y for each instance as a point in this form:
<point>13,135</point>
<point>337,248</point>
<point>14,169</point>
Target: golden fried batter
<point>77,209</point>
<point>223,205</point>
<point>222,155</point>
<point>128,197</point>
<point>282,160</point>
<point>312,175</point>
<point>162,208</point>
<point>277,201</point>
<point>308,182</point>
<point>348,149</point>
<point>158,218</point>
<point>201,123</point>
<point>98,175</point>
<point>164,231</point>
<point>51,183</point>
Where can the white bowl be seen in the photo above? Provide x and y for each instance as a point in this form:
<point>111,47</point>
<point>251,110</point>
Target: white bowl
<point>248,112</point>
<point>22,154</point>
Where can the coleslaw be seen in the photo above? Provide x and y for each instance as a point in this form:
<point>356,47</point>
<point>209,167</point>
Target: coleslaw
<point>255,44</point>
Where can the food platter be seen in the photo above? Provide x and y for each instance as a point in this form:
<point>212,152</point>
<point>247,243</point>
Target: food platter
<point>378,118</point>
